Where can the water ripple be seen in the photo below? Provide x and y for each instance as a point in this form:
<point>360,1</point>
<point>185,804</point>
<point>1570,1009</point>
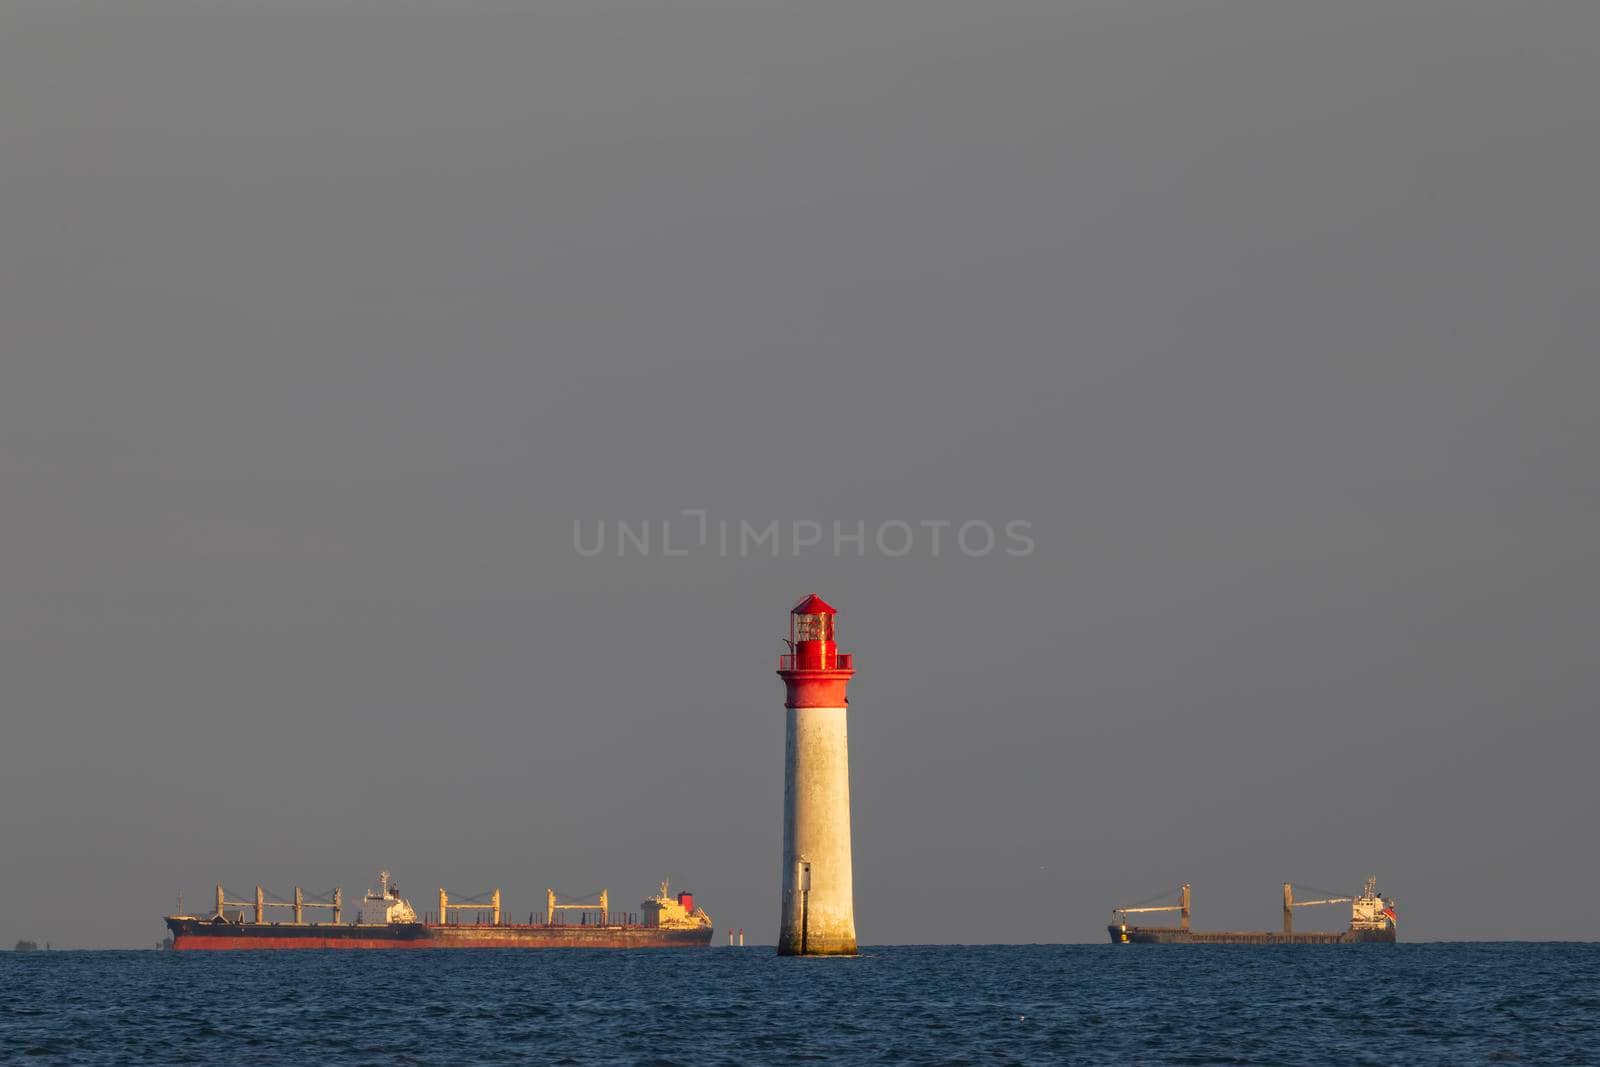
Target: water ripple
<point>1374,1004</point>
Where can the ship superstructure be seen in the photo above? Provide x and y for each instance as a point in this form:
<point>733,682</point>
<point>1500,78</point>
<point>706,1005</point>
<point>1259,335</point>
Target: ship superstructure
<point>384,907</point>
<point>1372,918</point>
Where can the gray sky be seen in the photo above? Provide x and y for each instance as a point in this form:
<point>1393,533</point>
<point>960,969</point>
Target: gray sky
<point>321,325</point>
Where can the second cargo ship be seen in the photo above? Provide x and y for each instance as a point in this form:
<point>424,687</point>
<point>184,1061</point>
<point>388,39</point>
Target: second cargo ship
<point>384,919</point>
<point>1372,918</point>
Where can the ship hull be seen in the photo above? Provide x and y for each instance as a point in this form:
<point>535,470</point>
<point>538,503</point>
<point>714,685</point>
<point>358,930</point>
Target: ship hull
<point>537,936</point>
<point>1161,935</point>
<point>190,934</point>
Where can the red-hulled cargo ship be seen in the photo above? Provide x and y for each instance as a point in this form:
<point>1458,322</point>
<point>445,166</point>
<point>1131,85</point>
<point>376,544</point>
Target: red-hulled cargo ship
<point>386,920</point>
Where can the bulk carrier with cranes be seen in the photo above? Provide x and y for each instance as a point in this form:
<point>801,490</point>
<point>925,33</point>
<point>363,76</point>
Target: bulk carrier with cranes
<point>1372,919</point>
<point>384,919</point>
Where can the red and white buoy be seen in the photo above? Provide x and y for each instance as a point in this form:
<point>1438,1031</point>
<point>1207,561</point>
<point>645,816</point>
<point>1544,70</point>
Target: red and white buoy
<point>818,915</point>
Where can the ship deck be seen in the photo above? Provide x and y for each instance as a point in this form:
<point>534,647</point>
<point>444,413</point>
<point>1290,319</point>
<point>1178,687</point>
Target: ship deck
<point>1168,935</point>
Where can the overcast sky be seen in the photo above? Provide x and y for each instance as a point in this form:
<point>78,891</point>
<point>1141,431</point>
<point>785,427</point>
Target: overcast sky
<point>322,325</point>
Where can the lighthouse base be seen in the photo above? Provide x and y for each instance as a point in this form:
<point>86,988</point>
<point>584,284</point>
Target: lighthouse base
<point>843,944</point>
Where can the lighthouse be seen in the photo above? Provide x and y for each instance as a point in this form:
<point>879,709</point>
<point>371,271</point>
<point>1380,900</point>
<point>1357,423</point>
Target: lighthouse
<point>818,912</point>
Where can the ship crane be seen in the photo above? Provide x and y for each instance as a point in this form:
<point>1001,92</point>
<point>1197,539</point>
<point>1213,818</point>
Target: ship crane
<point>1289,904</point>
<point>1120,915</point>
<point>602,909</point>
<point>261,903</point>
<point>477,904</point>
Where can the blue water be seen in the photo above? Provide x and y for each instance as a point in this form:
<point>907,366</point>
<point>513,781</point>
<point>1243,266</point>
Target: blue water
<point>1433,1003</point>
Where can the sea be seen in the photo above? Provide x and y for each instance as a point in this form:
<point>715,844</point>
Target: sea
<point>1445,1003</point>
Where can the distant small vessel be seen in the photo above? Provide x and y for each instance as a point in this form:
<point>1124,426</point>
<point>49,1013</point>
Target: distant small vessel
<point>1372,919</point>
<point>387,920</point>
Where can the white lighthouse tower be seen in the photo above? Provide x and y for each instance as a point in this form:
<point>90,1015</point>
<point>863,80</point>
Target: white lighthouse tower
<point>818,917</point>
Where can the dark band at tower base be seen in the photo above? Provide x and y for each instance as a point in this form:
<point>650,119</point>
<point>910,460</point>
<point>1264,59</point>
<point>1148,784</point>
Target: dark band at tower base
<point>814,945</point>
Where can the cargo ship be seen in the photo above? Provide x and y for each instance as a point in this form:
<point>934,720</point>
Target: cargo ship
<point>384,919</point>
<point>1372,919</point>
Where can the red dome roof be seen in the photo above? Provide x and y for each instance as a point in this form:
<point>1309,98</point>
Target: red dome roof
<point>813,605</point>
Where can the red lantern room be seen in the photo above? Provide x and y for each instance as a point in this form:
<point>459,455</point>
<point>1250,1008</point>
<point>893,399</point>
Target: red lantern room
<point>814,669</point>
<point>811,634</point>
